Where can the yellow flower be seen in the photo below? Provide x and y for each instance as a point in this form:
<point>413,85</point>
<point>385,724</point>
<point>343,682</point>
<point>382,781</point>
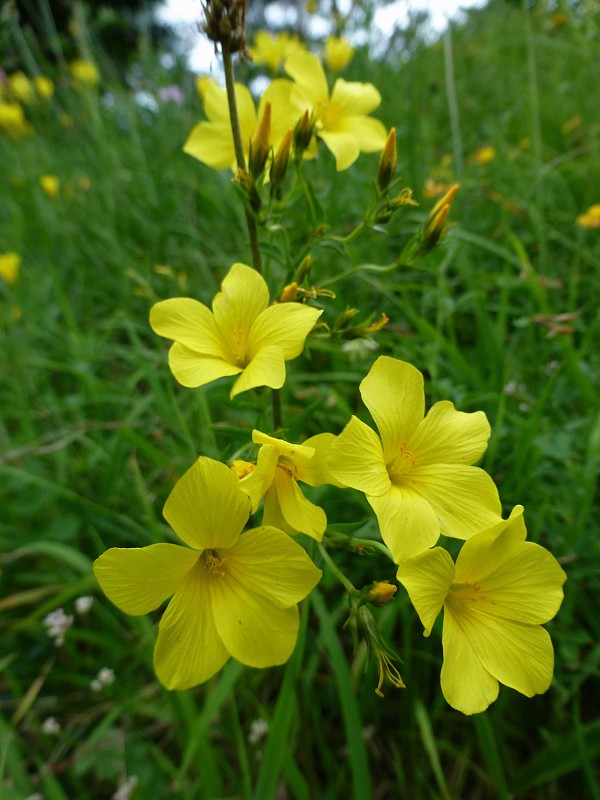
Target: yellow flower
<point>417,476</point>
<point>84,72</point>
<point>272,50</point>
<point>591,218</point>
<point>211,141</point>
<point>20,87</point>
<point>233,594</point>
<point>44,86</point>
<point>10,264</point>
<point>242,335</point>
<point>13,121</point>
<point>51,185</point>
<point>278,468</point>
<point>341,119</point>
<point>338,53</point>
<point>484,155</point>
<point>495,600</point>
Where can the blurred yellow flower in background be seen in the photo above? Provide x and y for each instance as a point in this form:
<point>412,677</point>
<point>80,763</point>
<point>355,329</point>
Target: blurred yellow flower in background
<point>591,218</point>
<point>50,185</point>
<point>84,72</point>
<point>20,87</point>
<point>10,264</point>
<point>338,53</point>
<point>273,49</point>
<point>44,86</point>
<point>13,120</point>
<point>484,155</point>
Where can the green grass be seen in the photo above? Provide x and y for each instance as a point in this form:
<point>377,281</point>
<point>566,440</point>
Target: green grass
<point>94,430</point>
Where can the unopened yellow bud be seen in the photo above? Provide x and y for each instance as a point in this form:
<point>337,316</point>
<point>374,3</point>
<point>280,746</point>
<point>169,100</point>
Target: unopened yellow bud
<point>241,468</point>
<point>303,269</point>
<point>387,161</point>
<point>446,200</point>
<point>289,293</point>
<point>281,160</point>
<point>261,143</point>
<point>380,592</point>
<point>303,133</point>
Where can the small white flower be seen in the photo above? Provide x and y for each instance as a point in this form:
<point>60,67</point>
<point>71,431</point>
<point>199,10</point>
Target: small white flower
<point>125,789</point>
<point>58,623</point>
<point>83,604</point>
<point>258,730</point>
<point>105,677</point>
<point>51,725</point>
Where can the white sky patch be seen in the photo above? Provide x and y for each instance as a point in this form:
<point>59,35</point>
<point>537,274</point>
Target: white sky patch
<point>185,14</point>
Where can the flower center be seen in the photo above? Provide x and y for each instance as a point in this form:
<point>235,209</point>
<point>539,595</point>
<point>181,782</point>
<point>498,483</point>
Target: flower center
<point>238,344</point>
<point>401,464</point>
<point>463,595</point>
<point>327,115</point>
<point>288,466</point>
<point>213,563</point>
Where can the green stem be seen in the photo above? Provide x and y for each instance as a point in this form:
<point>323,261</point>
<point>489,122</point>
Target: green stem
<point>276,398</point>
<point>309,200</point>
<point>375,544</point>
<point>347,584</point>
<point>238,147</point>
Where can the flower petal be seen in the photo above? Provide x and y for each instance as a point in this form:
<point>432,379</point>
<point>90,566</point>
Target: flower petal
<point>284,325</point>
<point>191,323</point>
<point>316,471</point>
<point>188,649</point>
<point>272,516</point>
<point>299,513</point>
<point>244,294</point>
<point>343,146</point>
<point>192,369</point>
<point>427,578</point>
<point>305,68</point>
<point>369,134</point>
<point>407,521</point>
<point>393,392</point>
<point>356,98</point>
<point>212,144</point>
<point>267,368</point>
<point>285,115</point>
<point>269,563</point>
<point>466,684</point>
<point>139,579</point>
<point>448,436</point>
<point>254,630</point>
<point>258,482</point>
<point>464,498</point>
<point>356,459</point>
<point>206,507</point>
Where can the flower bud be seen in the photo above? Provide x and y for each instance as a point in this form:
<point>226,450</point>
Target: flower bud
<point>281,160</point>
<point>387,161</point>
<point>303,133</point>
<point>225,23</point>
<point>289,293</point>
<point>261,143</point>
<point>303,269</point>
<point>380,592</point>
<point>241,468</point>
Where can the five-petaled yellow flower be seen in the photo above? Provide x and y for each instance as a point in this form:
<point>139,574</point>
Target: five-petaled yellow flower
<point>243,335</point>
<point>211,140</point>
<point>341,119</point>
<point>417,476</point>
<point>233,594</point>
<point>278,468</point>
<point>495,599</point>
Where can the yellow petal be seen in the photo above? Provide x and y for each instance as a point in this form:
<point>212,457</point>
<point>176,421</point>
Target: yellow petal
<point>343,146</point>
<point>407,521</point>
<point>206,508</point>
<point>427,578</point>
<point>316,470</point>
<point>258,482</point>
<point>271,564</point>
<point>355,98</point>
<point>369,134</point>
<point>299,513</point>
<point>191,323</point>
<point>253,629</point>
<point>305,68</point>
<point>192,369</point>
<point>285,115</point>
<point>284,325</point>
<point>295,453</point>
<point>244,294</point>
<point>246,112</point>
<point>214,99</point>
<point>139,579</point>
<point>267,368</point>
<point>212,144</point>
<point>188,649</point>
<point>272,516</point>
<point>466,684</point>
<point>464,498</point>
<point>393,392</point>
<point>448,436</point>
<point>357,459</point>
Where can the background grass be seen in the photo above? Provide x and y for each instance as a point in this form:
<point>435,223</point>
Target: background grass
<point>94,430</point>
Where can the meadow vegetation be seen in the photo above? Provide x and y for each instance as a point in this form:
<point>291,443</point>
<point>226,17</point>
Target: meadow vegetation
<point>94,431</point>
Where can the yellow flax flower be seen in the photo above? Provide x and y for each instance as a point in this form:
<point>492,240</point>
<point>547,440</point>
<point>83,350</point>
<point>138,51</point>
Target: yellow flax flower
<point>233,594</point>
<point>484,155</point>
<point>341,119</point>
<point>10,264</point>
<point>84,72</point>
<point>279,467</point>
<point>44,86</point>
<point>243,335</point>
<point>417,477</point>
<point>591,218</point>
<point>50,185</point>
<point>211,141</point>
<point>20,87</point>
<point>273,49</point>
<point>495,599</point>
<point>13,120</point>
<point>338,53</point>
